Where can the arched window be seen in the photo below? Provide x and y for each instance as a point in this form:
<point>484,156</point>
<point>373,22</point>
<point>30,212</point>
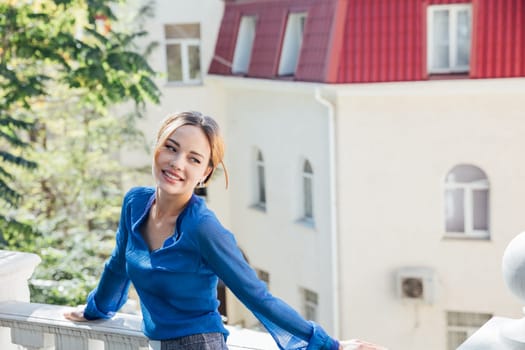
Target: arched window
<point>261,185</point>
<point>467,202</point>
<point>308,204</point>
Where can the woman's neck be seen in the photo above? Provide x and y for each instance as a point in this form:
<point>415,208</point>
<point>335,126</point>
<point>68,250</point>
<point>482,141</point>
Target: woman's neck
<point>168,206</point>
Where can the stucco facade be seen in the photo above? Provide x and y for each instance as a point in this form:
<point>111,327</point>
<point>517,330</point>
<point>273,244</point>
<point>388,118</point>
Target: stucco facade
<point>394,145</point>
<point>288,126</point>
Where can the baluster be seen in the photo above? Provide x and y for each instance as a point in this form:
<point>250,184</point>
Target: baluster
<point>77,342</point>
<point>15,270</point>
<point>32,339</point>
<point>116,345</point>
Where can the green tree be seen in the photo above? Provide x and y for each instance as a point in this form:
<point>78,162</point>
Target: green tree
<point>65,71</point>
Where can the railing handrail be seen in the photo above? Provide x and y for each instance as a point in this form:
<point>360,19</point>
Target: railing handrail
<point>49,319</point>
<point>122,328</point>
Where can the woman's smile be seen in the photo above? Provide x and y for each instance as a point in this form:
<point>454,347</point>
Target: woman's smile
<point>171,176</point>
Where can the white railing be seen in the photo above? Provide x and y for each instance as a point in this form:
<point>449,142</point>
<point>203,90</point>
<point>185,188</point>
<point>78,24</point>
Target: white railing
<point>25,325</point>
<point>41,326</point>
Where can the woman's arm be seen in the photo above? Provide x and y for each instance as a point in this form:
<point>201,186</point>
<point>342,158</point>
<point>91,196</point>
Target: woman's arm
<point>289,329</point>
<point>112,290</point>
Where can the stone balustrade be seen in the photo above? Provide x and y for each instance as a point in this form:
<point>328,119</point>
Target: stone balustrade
<point>25,325</point>
<point>41,326</point>
<point>502,333</point>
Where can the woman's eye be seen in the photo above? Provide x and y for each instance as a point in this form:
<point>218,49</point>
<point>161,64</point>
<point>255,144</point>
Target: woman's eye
<point>171,148</point>
<point>195,160</point>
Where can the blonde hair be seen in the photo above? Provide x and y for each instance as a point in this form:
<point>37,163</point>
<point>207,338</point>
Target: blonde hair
<point>210,128</point>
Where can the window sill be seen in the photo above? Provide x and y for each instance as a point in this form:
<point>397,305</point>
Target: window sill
<point>306,222</point>
<point>465,237</point>
<point>259,207</point>
<point>448,76</point>
<point>174,84</point>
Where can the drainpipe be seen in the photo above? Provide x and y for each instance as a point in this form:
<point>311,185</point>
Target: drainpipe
<point>334,239</point>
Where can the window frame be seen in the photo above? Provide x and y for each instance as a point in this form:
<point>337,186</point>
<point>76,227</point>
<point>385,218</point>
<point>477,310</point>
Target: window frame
<point>468,206</point>
<point>307,176</point>
<point>290,53</point>
<point>244,44</point>
<point>310,307</point>
<point>185,44</point>
<point>453,10</point>
<point>260,194</point>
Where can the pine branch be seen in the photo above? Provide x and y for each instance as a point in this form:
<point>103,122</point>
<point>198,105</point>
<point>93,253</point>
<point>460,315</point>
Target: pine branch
<point>6,120</point>
<point>13,140</point>
<point>16,160</point>
<point>8,195</point>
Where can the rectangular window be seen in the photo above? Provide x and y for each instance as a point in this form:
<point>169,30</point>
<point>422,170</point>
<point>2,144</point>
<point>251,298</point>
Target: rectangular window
<point>183,61</point>
<point>467,209</point>
<point>243,48</point>
<point>293,39</point>
<point>448,38</point>
<point>461,325</point>
<point>310,304</point>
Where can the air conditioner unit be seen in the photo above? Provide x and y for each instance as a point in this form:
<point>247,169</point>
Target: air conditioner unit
<point>416,284</point>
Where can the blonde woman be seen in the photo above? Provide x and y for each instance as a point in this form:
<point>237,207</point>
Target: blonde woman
<point>174,249</point>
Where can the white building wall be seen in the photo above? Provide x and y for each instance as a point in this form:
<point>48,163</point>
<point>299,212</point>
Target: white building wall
<point>396,143</point>
<point>284,121</point>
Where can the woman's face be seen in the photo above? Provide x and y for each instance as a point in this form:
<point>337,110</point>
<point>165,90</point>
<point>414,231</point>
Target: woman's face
<point>182,161</point>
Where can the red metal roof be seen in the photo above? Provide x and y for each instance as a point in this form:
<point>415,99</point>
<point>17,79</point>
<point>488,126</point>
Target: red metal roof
<point>271,23</point>
<point>352,41</point>
<point>498,48</point>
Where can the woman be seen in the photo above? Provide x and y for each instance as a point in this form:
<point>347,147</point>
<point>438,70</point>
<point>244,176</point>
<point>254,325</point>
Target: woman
<point>174,249</point>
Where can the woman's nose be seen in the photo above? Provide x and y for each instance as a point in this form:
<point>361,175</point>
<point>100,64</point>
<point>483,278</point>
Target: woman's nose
<point>176,162</point>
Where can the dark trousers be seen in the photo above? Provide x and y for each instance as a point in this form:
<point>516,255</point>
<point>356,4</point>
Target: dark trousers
<point>203,341</point>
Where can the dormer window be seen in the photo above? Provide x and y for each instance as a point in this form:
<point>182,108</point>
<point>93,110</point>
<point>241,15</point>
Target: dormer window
<point>449,36</point>
<point>243,48</point>
<point>293,39</point>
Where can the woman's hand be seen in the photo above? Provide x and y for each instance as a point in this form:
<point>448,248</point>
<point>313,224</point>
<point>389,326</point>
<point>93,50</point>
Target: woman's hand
<point>356,344</point>
<point>76,315</point>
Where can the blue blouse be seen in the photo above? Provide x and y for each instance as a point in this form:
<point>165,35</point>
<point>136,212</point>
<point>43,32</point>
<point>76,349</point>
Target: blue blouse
<point>177,283</point>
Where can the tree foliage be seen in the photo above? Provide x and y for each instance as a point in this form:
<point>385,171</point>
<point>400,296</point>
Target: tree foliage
<point>65,73</point>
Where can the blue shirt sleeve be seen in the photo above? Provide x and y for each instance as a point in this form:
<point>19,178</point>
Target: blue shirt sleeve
<point>112,291</point>
<point>289,329</point>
